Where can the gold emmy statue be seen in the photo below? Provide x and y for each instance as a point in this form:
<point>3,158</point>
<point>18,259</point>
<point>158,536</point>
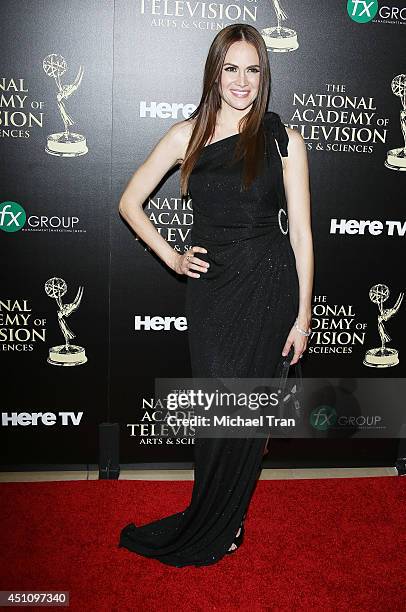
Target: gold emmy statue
<point>396,158</point>
<point>278,38</point>
<point>67,143</point>
<point>64,354</point>
<point>382,357</point>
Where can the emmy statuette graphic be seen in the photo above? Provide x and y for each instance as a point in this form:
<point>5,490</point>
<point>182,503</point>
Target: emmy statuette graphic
<point>396,158</point>
<point>278,38</point>
<point>65,354</point>
<point>382,357</point>
<point>64,144</point>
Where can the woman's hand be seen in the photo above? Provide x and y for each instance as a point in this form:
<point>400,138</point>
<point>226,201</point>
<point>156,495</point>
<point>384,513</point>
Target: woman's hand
<point>187,262</point>
<point>299,342</point>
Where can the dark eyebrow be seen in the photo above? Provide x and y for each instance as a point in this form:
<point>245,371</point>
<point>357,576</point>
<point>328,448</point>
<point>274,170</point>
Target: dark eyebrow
<point>230,64</point>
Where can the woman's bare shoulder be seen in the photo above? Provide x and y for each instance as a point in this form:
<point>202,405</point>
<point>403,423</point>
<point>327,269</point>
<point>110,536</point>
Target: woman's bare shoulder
<point>294,135</point>
<point>179,134</point>
<point>296,141</point>
<point>297,153</point>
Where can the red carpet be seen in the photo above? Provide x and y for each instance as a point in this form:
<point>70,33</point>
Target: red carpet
<point>329,544</point>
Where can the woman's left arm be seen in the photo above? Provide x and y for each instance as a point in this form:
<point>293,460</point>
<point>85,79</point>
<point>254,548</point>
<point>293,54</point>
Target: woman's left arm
<point>296,182</point>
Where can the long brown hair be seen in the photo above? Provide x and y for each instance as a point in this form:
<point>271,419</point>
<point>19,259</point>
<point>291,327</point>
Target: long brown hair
<point>251,141</point>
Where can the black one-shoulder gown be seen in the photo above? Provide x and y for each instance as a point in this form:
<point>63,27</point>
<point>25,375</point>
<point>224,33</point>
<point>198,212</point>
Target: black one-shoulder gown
<point>239,315</point>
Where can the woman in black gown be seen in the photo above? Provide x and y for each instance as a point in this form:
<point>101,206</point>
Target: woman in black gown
<point>245,305</point>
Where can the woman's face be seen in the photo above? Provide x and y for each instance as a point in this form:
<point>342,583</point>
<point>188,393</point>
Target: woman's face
<point>239,82</point>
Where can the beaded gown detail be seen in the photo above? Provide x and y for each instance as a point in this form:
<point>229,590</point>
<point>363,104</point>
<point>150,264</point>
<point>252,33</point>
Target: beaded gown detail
<point>239,315</point>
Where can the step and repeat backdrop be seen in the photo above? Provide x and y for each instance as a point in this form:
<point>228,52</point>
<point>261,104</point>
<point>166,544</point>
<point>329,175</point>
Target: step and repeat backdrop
<point>89,316</point>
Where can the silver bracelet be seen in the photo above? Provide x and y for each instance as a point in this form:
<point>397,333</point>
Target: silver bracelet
<point>302,331</point>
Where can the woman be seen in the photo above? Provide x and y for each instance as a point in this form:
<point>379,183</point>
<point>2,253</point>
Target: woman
<point>250,274</point>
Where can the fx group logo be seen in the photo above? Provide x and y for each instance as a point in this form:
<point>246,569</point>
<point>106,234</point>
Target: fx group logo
<point>362,11</point>
<point>323,417</point>
<point>12,216</point>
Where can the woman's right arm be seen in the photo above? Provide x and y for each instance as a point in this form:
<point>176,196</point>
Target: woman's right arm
<point>168,152</point>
